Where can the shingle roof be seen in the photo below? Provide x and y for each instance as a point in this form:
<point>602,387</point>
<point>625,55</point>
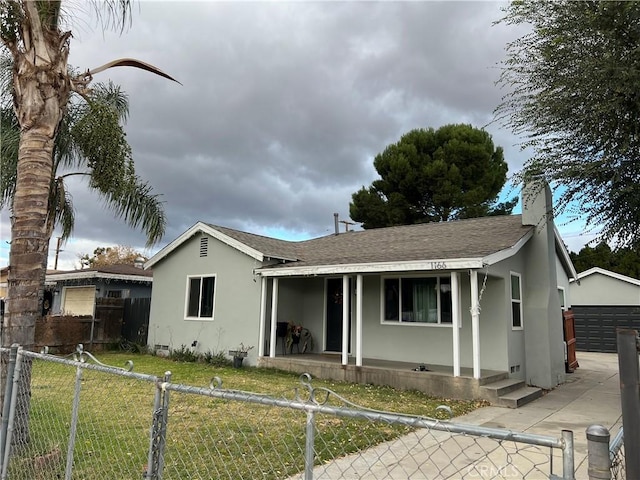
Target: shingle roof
<point>269,247</point>
<point>107,269</point>
<point>472,238</point>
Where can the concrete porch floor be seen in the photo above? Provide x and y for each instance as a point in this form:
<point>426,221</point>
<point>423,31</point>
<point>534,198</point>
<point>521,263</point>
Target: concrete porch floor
<point>437,380</point>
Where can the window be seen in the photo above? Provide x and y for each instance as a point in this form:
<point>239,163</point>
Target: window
<point>561,295</point>
<point>200,297</point>
<point>114,293</point>
<point>417,300</point>
<point>516,301</point>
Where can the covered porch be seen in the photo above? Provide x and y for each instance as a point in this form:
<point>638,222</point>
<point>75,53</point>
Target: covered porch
<point>435,380</point>
<point>364,306</point>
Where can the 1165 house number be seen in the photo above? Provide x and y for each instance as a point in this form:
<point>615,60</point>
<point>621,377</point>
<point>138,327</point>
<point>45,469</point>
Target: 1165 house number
<point>438,266</point>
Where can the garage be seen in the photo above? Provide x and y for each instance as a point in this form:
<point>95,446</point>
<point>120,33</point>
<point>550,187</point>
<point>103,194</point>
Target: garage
<point>78,300</point>
<point>603,301</point>
<point>596,325</point>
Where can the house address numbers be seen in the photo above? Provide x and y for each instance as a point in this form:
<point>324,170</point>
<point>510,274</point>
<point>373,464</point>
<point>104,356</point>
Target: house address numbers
<point>438,266</point>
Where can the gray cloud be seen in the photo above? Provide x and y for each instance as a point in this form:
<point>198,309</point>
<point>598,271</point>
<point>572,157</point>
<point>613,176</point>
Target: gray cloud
<point>283,106</point>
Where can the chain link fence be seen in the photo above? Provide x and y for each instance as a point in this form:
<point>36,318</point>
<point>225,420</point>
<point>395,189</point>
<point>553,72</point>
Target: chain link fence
<point>88,420</point>
<point>616,456</point>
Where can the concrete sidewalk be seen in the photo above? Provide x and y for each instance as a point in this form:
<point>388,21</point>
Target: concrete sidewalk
<point>591,395</point>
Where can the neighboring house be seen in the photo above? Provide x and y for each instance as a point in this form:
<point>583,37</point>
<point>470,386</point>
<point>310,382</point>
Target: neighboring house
<point>74,292</point>
<point>4,276</point>
<point>603,301</point>
<point>473,297</point>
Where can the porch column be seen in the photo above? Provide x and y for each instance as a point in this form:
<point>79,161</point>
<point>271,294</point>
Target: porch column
<point>263,314</point>
<point>455,321</point>
<point>274,318</point>
<point>359,320</point>
<point>475,324</point>
<point>345,319</point>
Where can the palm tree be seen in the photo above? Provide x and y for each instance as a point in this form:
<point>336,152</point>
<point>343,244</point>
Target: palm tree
<point>90,142</point>
<point>54,131</point>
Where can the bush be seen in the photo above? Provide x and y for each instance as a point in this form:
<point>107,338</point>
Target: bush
<point>217,359</point>
<point>183,354</point>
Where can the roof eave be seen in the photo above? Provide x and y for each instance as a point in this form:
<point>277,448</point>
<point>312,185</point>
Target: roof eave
<point>56,277</point>
<point>209,230</point>
<point>434,265</point>
<point>501,255</point>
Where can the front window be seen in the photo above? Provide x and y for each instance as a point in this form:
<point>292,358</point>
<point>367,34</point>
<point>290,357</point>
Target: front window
<point>417,300</point>
<point>200,296</point>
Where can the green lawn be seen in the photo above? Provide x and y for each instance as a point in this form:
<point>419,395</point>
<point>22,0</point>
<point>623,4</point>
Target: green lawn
<point>206,437</point>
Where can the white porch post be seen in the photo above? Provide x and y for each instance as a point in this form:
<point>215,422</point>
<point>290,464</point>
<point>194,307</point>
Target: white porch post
<point>359,320</point>
<point>274,318</point>
<point>345,319</point>
<point>455,320</point>
<point>263,315</point>
<point>475,324</point>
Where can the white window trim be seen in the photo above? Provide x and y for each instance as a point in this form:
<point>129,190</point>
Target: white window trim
<point>511,300</point>
<point>414,324</point>
<point>564,298</point>
<point>186,297</point>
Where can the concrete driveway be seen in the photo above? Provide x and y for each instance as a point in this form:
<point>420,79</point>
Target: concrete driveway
<point>591,395</point>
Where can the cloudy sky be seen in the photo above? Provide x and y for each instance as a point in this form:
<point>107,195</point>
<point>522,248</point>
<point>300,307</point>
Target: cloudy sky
<point>283,106</point>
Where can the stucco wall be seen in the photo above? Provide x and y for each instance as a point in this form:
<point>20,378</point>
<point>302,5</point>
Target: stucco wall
<point>237,299</point>
<point>599,289</point>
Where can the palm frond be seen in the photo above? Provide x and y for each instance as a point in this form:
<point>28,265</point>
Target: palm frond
<point>9,143</point>
<point>132,62</point>
<point>61,203</point>
<point>133,201</point>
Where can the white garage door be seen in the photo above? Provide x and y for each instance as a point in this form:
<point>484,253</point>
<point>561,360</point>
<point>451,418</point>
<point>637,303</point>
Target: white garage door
<point>79,300</point>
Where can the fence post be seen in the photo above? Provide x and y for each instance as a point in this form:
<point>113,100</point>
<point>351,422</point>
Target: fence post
<point>568,462</point>
<point>599,461</point>
<point>68,471</point>
<point>630,398</point>
<point>6,405</point>
<point>309,451</point>
<point>155,462</point>
<point>12,412</point>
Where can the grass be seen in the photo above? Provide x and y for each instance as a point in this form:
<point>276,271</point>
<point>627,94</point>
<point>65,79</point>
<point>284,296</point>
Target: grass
<point>206,437</point>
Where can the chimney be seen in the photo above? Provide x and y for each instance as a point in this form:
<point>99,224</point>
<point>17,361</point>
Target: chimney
<point>537,202</point>
<point>336,223</point>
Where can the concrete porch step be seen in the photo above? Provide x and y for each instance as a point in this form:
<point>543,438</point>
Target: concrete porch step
<point>520,397</point>
<point>502,387</point>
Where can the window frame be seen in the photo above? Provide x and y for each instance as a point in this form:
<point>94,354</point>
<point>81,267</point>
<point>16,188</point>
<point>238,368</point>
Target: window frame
<point>187,297</point>
<point>439,323</point>
<point>517,301</point>
<point>562,294</point>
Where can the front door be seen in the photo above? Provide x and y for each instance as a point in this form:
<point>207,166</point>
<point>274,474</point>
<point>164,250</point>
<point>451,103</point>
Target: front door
<point>334,300</point>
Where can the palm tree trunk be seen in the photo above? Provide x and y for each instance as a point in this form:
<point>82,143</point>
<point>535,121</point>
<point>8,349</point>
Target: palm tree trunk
<point>41,90</point>
<point>29,238</point>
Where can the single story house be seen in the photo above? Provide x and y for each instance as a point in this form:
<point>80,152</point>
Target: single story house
<point>472,299</point>
<point>74,292</point>
<point>602,302</point>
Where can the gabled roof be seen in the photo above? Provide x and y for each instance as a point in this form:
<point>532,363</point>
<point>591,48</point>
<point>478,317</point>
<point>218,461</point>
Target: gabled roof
<point>608,273</point>
<point>109,272</point>
<point>256,246</point>
<point>459,244</point>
